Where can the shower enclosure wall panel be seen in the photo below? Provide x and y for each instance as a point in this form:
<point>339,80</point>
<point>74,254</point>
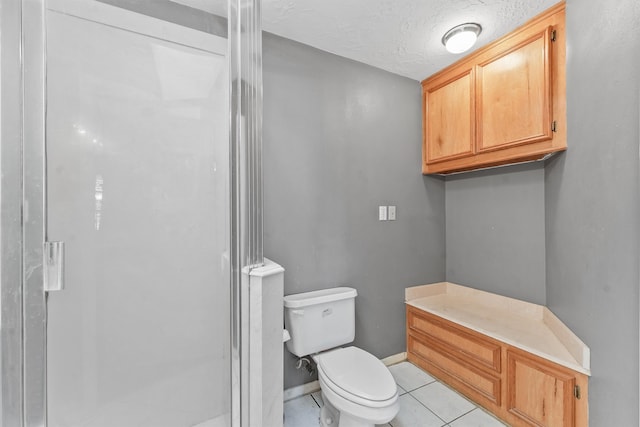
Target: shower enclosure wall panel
<point>137,188</point>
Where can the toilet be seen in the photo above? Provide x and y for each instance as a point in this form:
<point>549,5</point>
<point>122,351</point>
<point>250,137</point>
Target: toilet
<point>357,388</point>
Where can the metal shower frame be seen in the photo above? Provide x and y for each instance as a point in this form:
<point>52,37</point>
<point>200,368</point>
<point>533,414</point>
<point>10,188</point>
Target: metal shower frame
<point>23,202</point>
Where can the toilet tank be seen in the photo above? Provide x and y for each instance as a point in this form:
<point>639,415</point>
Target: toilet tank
<point>319,320</point>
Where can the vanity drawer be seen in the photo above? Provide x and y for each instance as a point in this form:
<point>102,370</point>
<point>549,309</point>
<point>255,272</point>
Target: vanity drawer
<point>474,382</point>
<point>462,343</point>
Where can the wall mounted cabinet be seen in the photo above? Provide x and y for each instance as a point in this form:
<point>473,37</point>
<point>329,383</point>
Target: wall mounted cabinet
<point>504,103</point>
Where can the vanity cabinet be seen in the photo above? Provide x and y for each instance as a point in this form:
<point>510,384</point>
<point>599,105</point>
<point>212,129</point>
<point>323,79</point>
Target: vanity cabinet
<point>517,386</point>
<point>540,393</point>
<point>471,364</point>
<point>504,103</point>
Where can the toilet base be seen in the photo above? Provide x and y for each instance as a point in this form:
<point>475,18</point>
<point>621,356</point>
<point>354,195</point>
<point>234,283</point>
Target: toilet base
<point>328,417</point>
<point>331,417</point>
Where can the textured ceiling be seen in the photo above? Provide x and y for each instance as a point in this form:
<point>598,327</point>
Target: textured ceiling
<point>400,36</point>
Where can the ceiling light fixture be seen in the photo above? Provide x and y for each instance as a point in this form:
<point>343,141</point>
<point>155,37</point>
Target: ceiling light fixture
<point>461,37</point>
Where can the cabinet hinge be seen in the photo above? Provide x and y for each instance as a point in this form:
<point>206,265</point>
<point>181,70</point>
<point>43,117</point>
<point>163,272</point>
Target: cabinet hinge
<point>553,126</point>
<point>553,35</point>
<point>576,391</point>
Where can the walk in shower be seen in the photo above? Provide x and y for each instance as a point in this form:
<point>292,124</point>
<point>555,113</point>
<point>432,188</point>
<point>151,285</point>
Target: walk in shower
<point>131,191</point>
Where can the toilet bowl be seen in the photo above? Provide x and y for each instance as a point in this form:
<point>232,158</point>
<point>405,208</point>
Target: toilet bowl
<point>357,388</point>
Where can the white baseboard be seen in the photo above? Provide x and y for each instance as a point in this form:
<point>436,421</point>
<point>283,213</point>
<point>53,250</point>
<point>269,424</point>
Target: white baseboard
<point>395,358</point>
<point>301,390</point>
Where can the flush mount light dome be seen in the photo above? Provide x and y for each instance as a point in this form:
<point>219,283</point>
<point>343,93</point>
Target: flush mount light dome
<point>461,37</point>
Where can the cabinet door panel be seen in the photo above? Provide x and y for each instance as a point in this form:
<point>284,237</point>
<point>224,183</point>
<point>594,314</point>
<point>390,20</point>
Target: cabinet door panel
<point>539,393</point>
<point>449,125</point>
<point>473,348</point>
<point>514,95</point>
<point>475,383</point>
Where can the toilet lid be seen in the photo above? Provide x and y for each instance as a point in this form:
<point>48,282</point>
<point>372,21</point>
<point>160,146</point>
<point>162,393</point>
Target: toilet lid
<point>358,373</point>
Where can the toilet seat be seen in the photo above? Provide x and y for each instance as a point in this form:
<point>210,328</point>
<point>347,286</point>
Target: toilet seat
<point>358,376</point>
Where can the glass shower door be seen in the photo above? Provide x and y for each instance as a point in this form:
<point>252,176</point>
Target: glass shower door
<point>137,187</point>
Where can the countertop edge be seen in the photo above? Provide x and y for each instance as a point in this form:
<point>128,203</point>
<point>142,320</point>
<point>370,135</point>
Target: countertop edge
<point>565,336</point>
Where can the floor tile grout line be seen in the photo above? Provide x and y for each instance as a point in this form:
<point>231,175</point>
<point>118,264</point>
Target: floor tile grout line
<point>476,406</point>
<point>446,423</point>
<point>428,409</point>
<point>420,386</point>
<point>314,399</point>
<point>466,413</point>
<point>459,393</point>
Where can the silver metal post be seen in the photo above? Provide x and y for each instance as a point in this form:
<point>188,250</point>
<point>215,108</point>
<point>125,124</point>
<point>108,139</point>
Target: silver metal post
<point>11,212</point>
<point>245,53</point>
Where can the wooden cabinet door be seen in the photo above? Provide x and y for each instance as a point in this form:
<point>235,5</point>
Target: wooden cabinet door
<point>538,392</point>
<point>514,93</point>
<point>449,122</point>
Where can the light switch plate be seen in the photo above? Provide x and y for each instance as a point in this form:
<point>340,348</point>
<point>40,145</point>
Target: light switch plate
<point>382,213</point>
<point>391,213</point>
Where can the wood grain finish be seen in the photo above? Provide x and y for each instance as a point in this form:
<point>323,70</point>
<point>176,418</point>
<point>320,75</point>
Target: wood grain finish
<point>465,344</point>
<point>527,391</point>
<point>518,90</point>
<point>514,95</point>
<point>445,107</point>
<point>538,392</point>
<point>437,359</point>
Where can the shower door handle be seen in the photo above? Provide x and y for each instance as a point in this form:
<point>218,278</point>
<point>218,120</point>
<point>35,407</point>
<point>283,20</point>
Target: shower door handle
<point>53,266</point>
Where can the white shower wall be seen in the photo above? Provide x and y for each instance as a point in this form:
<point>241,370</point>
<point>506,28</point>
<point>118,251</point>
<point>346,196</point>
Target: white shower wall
<point>137,171</point>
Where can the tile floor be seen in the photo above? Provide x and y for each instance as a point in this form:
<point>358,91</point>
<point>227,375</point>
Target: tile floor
<point>424,402</point>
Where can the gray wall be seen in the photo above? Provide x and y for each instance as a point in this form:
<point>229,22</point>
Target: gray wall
<point>580,252</point>
<point>341,138</point>
<point>495,231</point>
<point>592,199</point>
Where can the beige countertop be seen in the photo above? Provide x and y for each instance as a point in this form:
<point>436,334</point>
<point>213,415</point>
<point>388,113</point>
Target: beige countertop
<point>531,327</point>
